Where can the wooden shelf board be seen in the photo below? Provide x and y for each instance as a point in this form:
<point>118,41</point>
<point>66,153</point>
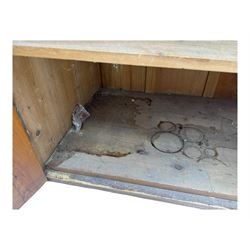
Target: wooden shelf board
<point>218,56</point>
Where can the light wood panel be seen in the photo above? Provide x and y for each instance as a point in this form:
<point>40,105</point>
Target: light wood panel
<point>221,85</point>
<point>28,174</point>
<point>218,56</point>
<point>226,86</point>
<point>45,93</point>
<point>186,82</point>
<point>212,80</point>
<point>87,80</point>
<point>123,77</point>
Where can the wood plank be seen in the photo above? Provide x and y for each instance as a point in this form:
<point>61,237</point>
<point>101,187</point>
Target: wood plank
<point>211,84</point>
<point>174,81</point>
<point>28,174</point>
<point>227,85</point>
<point>218,56</point>
<point>221,85</point>
<point>87,80</point>
<point>123,77</point>
<point>45,93</point>
<point>115,76</point>
<point>115,143</point>
<point>138,78</point>
<point>171,196</point>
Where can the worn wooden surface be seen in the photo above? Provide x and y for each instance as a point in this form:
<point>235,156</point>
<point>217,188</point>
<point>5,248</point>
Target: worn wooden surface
<point>221,85</point>
<point>115,143</point>
<point>211,84</point>
<point>218,56</point>
<point>226,86</point>
<point>173,81</point>
<point>28,174</point>
<point>45,93</point>
<point>159,194</point>
<point>186,82</point>
<point>123,77</point>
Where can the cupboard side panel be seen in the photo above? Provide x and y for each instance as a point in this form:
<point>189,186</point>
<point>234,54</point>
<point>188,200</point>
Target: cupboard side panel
<point>45,93</point>
<point>28,174</point>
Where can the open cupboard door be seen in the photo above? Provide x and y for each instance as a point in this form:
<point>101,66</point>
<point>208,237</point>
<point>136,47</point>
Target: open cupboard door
<point>28,175</point>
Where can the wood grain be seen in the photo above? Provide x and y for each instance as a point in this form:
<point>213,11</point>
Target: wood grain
<point>218,56</point>
<point>211,83</point>
<point>221,85</point>
<point>87,80</point>
<point>226,86</point>
<point>123,77</point>
<point>28,174</point>
<point>186,82</point>
<point>45,93</point>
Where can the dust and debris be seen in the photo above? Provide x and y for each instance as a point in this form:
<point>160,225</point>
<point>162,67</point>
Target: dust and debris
<point>115,154</point>
<point>120,128</point>
<point>79,115</point>
<point>106,153</point>
<point>147,100</point>
<point>178,167</point>
<point>141,152</point>
<point>38,132</point>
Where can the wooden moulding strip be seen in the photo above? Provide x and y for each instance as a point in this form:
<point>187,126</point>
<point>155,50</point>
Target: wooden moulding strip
<point>139,190</point>
<point>150,184</point>
<point>129,59</point>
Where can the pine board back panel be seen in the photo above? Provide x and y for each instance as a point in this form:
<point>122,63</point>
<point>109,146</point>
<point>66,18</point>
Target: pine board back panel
<point>226,86</point>
<point>221,85</point>
<point>173,81</point>
<point>123,77</point>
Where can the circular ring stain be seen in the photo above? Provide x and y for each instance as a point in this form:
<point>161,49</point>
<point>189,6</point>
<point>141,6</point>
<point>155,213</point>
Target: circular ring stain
<point>167,142</point>
<point>192,152</point>
<point>210,152</point>
<point>192,134</point>
<point>166,126</point>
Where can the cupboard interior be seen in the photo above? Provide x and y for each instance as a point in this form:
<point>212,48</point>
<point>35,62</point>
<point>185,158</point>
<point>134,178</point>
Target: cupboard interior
<point>194,112</point>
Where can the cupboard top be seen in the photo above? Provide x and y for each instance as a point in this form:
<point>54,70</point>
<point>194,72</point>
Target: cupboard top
<point>197,55</point>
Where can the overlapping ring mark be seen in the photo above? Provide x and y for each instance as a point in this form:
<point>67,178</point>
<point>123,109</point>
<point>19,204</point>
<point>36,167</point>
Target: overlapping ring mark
<point>167,148</point>
<point>185,137</point>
